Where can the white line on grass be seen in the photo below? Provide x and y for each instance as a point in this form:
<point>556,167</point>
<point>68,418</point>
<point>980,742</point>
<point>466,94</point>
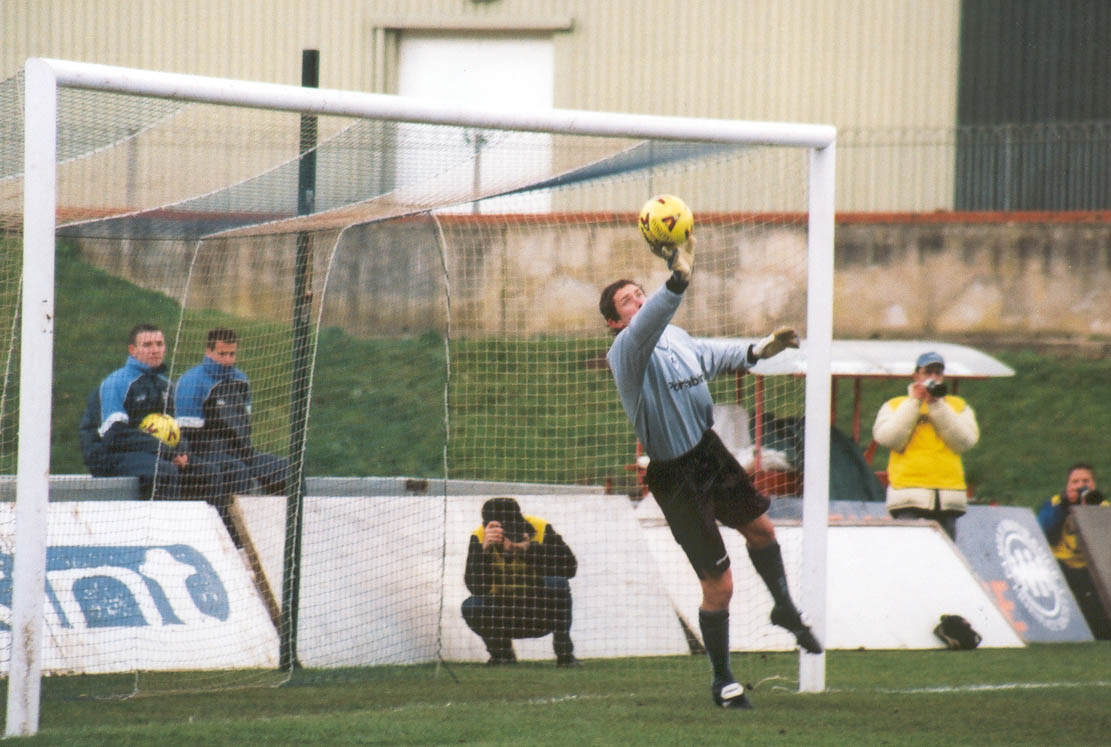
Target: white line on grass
<point>974,688</point>
<point>937,689</point>
<point>551,700</point>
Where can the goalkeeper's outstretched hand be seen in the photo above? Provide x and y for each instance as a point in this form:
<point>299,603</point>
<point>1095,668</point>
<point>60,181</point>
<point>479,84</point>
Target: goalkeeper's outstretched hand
<point>680,259</point>
<point>775,343</point>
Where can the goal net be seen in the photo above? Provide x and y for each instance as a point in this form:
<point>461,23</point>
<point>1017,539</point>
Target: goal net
<point>414,296</point>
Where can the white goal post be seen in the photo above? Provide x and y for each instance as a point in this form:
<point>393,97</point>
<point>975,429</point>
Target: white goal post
<point>42,80</point>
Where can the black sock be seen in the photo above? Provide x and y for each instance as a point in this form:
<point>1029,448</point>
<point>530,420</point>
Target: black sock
<point>562,644</point>
<point>715,636</point>
<point>499,648</point>
<point>768,562</point>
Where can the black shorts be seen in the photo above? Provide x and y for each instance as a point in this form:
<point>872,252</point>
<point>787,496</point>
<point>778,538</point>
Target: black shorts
<point>700,488</point>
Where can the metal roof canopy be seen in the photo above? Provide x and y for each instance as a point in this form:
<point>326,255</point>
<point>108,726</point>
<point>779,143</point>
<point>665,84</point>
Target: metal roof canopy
<point>876,359</point>
<point>885,359</point>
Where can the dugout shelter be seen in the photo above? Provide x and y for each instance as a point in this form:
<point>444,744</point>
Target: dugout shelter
<point>769,443</point>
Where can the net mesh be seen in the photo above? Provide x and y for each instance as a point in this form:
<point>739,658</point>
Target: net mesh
<point>424,338</point>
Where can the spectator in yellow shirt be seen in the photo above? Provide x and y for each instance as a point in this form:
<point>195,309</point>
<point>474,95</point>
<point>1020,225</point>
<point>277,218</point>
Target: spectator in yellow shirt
<point>927,431</point>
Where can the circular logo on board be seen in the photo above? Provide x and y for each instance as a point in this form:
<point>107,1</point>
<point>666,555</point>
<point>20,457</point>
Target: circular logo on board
<point>1033,574</point>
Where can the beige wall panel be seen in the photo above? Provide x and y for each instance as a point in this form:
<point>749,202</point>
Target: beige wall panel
<point>855,63</point>
<point>858,64</point>
<point>254,40</point>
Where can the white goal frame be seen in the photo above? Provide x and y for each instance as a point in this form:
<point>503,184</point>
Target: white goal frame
<point>42,79</point>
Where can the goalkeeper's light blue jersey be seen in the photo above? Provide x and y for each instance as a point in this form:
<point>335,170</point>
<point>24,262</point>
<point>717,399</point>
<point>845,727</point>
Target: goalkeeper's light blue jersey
<point>662,376</point>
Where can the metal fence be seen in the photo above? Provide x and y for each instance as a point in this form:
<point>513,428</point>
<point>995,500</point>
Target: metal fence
<point>1039,167</point>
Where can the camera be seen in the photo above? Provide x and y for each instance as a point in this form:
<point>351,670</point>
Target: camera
<point>936,388</point>
<point>1090,496</point>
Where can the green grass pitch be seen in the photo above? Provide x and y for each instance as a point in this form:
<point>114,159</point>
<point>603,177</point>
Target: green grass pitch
<point>1045,694</point>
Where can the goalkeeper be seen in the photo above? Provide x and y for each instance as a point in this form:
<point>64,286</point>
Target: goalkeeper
<point>662,377</point>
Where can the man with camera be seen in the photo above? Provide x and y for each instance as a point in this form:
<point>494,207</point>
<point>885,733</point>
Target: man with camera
<point>517,572</point>
<point>927,431</point>
<point>1055,519</point>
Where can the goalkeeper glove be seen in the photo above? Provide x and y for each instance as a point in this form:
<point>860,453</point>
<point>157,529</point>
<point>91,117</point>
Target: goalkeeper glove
<point>775,343</point>
<point>680,259</point>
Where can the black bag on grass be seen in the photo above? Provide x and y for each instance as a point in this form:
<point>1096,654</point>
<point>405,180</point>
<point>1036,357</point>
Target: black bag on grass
<point>956,633</point>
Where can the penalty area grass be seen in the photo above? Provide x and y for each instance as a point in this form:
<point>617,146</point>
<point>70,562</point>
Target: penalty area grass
<point>1044,694</point>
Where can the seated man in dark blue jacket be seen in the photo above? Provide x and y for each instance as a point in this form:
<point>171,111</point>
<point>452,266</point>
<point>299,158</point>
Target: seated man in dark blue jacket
<point>112,444</point>
<point>517,570</point>
<point>213,406</point>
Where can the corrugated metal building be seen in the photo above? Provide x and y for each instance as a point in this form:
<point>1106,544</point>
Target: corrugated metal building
<point>1034,105</point>
<point>941,104</point>
<point>855,63</point>
<point>860,64</point>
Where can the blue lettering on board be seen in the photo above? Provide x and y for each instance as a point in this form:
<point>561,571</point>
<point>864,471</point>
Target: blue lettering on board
<point>124,586</point>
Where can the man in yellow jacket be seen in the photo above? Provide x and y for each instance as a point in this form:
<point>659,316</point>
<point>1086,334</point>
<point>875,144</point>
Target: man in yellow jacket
<point>927,431</point>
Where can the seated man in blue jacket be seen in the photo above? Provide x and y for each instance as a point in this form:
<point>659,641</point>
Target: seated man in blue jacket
<point>213,407</point>
<point>517,570</point>
<point>112,444</point>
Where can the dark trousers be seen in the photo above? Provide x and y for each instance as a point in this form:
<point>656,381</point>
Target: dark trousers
<point>1087,598</point>
<point>161,478</point>
<point>240,475</point>
<point>947,519</point>
<point>544,609</point>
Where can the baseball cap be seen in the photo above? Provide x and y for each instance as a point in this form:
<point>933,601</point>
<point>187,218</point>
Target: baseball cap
<point>507,512</point>
<point>927,358</point>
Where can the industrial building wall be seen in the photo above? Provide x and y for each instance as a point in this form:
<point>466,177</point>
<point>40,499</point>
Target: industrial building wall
<point>1025,63</point>
<point>855,63</point>
<point>858,64</point>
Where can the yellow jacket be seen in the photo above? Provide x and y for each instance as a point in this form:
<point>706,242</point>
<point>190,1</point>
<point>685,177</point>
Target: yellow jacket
<point>926,441</point>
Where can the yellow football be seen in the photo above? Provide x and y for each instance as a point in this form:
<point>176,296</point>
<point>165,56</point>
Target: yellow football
<point>666,219</point>
<point>163,427</point>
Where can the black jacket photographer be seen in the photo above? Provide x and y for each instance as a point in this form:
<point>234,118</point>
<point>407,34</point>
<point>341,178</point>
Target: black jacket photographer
<point>1056,521</point>
<point>517,572</point>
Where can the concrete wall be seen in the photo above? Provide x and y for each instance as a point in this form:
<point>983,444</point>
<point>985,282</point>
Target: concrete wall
<point>973,277</point>
<point>950,276</point>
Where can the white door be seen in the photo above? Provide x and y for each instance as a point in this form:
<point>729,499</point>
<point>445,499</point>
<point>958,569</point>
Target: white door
<point>471,69</point>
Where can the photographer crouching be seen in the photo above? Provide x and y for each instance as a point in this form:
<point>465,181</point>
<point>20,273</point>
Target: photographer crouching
<point>927,430</point>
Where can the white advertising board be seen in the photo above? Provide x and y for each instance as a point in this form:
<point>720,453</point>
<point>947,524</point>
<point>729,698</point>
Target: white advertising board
<point>619,604</point>
<point>141,585</point>
<point>382,579</point>
<point>888,586</point>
